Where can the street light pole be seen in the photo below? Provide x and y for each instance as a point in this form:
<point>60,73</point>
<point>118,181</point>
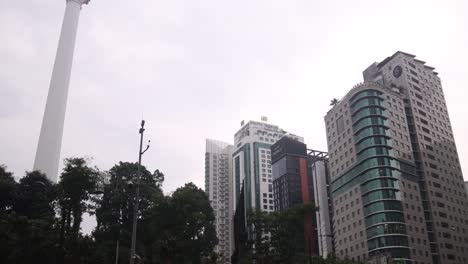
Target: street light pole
<point>117,246</point>
<point>137,195</point>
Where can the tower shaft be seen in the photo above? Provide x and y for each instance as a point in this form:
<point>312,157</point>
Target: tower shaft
<point>50,140</point>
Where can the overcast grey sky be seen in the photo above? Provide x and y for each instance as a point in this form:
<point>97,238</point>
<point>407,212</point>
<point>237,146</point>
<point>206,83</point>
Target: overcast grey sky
<point>195,69</point>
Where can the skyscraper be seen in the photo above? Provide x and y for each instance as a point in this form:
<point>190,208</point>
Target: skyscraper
<point>397,185</point>
<point>292,186</point>
<point>50,140</point>
<point>300,176</point>
<point>218,179</point>
<point>252,163</point>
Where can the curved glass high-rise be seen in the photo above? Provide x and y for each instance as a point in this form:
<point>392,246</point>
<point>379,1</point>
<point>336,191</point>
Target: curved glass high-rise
<point>378,172</point>
<point>397,187</point>
<point>372,177</point>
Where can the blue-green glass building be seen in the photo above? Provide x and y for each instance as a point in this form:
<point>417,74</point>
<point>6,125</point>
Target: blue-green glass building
<point>396,184</point>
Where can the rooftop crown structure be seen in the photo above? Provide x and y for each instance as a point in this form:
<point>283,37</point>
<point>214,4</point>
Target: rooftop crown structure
<point>50,139</point>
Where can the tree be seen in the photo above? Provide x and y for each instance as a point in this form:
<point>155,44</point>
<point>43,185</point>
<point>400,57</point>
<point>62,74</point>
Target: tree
<point>213,258</point>
<point>334,102</point>
<point>260,223</point>
<point>287,232</point>
<point>42,220</point>
<point>28,222</point>
<point>77,184</point>
<point>278,237</point>
<point>35,197</point>
<point>196,217</point>
<point>184,227</point>
<point>114,211</point>
<point>8,189</point>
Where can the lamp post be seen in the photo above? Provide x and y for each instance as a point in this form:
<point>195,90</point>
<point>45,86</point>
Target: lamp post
<point>137,195</point>
<point>117,245</point>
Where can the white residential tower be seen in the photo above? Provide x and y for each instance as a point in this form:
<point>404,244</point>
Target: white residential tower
<point>252,163</point>
<point>218,179</point>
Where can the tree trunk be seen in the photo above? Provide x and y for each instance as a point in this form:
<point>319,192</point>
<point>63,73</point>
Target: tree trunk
<point>60,253</point>
<point>75,231</point>
<point>77,218</point>
<point>68,225</point>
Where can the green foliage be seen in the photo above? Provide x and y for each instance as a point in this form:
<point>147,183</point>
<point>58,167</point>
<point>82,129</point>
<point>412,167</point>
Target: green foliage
<point>184,226</point>
<point>334,102</point>
<point>28,240</point>
<point>42,220</point>
<point>260,222</point>
<point>277,237</point>
<point>175,229</point>
<point>8,189</point>
<point>287,232</point>
<point>27,219</point>
<point>213,258</point>
<point>77,184</point>
<point>114,211</point>
<point>35,197</point>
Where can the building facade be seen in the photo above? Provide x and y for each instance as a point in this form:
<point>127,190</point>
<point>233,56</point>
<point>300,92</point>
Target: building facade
<point>218,179</point>
<point>251,164</point>
<point>240,247</point>
<point>317,163</point>
<point>292,186</point>
<point>396,182</point>
<point>291,182</point>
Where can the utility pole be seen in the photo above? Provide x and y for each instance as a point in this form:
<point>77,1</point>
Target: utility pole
<point>117,251</point>
<point>117,246</point>
<point>133,254</point>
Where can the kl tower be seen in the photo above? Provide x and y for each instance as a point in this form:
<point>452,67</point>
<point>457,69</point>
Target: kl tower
<point>50,140</point>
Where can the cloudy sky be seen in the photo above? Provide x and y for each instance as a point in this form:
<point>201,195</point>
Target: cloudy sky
<point>196,69</point>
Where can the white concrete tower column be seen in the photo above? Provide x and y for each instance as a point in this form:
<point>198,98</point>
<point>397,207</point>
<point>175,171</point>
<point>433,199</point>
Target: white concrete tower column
<point>50,140</point>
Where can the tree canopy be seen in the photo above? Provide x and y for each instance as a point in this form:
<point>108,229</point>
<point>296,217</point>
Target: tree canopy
<point>42,220</point>
<point>334,102</point>
<point>278,238</point>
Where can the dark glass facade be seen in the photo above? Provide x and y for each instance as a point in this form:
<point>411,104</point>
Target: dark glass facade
<point>240,250</point>
<point>292,185</point>
<point>287,156</point>
<point>287,182</point>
